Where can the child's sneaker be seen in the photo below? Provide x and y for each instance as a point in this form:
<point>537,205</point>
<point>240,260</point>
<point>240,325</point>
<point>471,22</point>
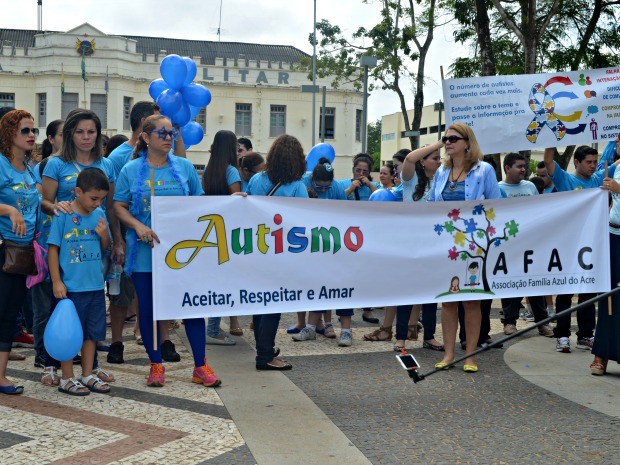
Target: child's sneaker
<point>23,340</point>
<point>156,375</point>
<point>206,376</point>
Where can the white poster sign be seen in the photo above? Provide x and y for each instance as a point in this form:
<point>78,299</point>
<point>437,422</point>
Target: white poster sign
<point>222,256</point>
<point>527,112</point>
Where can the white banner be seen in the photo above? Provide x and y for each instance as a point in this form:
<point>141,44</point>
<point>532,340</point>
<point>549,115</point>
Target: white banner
<point>222,256</point>
<point>527,112</point>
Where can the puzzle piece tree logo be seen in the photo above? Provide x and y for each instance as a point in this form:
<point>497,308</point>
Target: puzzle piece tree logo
<point>473,238</point>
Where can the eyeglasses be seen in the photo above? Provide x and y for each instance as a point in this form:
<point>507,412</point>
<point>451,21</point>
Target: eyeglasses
<point>318,187</point>
<point>27,131</point>
<point>452,139</point>
<point>361,171</point>
<point>162,134</point>
<point>396,166</point>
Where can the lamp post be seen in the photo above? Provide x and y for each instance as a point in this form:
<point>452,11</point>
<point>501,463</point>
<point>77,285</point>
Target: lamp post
<point>366,62</point>
<point>438,107</point>
<point>314,78</point>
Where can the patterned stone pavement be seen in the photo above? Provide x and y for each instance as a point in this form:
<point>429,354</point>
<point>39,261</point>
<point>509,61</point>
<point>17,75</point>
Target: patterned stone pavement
<point>495,416</point>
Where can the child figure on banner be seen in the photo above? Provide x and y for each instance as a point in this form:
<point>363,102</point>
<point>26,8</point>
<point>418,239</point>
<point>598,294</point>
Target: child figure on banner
<point>77,242</point>
<point>155,171</point>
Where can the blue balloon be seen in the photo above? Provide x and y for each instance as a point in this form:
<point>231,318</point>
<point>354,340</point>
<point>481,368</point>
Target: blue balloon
<point>192,133</point>
<point>63,337</point>
<point>157,87</point>
<point>190,65</point>
<point>174,71</point>
<point>194,111</point>
<point>196,95</point>
<point>170,102</point>
<point>317,152</point>
<point>182,117</point>
<point>383,195</point>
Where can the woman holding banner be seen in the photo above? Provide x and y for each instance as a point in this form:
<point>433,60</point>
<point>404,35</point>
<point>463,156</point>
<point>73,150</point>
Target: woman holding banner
<point>284,169</point>
<point>606,345</point>
<point>155,171</point>
<point>463,176</point>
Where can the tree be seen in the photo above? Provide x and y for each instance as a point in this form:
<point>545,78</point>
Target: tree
<point>404,34</point>
<point>374,137</point>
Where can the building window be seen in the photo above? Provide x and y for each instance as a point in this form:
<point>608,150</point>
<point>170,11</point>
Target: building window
<point>277,120</point>
<point>243,119</point>
<point>358,125</point>
<point>330,123</point>
<point>201,118</point>
<point>99,105</point>
<point>7,100</point>
<point>42,110</point>
<point>69,102</point>
<point>127,104</point>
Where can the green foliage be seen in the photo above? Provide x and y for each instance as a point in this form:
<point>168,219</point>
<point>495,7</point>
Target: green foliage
<point>374,138</point>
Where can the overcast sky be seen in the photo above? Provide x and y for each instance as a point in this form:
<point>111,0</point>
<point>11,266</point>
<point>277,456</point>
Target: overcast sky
<point>283,22</point>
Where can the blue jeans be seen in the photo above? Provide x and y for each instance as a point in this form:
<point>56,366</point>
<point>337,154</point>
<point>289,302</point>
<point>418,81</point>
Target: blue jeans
<point>40,297</point>
<point>265,329</point>
<point>403,313</point>
<point>429,318</point>
<point>213,326</point>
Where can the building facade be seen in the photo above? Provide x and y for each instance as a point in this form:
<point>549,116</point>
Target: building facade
<point>255,88</point>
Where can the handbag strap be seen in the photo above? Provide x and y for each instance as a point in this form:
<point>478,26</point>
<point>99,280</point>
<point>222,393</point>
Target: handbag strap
<point>274,189</point>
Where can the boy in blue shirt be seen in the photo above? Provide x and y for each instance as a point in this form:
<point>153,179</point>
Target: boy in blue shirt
<point>76,243</point>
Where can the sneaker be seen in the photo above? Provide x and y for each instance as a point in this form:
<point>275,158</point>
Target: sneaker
<point>306,334</point>
<point>510,329</point>
<point>346,339</point>
<point>115,354</point>
<point>585,343</point>
<point>169,353</point>
<point>156,375</point>
<point>550,310</point>
<point>527,316</point>
<point>39,362</point>
<point>24,340</point>
<point>563,345</point>
<point>206,376</point>
<point>546,331</point>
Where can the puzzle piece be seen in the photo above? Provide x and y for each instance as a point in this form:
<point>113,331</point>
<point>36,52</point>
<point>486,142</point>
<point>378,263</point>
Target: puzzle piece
<point>453,254</point>
<point>460,238</point>
<point>470,226</point>
<point>454,214</point>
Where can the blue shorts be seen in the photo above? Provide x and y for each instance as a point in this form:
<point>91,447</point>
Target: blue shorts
<point>90,306</point>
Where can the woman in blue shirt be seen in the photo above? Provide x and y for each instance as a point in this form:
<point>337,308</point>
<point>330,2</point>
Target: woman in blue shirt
<point>19,202</point>
<point>221,177</point>
<point>463,176</point>
<point>250,164</point>
<point>155,171</point>
<point>284,169</point>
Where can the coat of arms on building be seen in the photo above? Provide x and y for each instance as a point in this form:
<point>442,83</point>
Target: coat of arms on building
<point>85,47</point>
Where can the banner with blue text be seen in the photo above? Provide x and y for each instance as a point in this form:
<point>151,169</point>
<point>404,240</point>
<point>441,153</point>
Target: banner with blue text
<point>529,112</point>
<point>222,256</point>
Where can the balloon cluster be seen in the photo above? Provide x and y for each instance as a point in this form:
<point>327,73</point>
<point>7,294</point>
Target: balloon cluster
<point>179,98</point>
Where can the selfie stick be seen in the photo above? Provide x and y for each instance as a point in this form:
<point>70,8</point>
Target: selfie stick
<point>417,377</point>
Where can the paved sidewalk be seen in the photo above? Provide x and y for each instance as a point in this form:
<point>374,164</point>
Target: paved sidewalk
<point>527,404</point>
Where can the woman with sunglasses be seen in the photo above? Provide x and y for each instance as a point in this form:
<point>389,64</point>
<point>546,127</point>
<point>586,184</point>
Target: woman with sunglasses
<point>463,176</point>
<point>221,177</point>
<point>19,202</point>
<point>249,165</point>
<point>81,149</point>
<point>155,171</point>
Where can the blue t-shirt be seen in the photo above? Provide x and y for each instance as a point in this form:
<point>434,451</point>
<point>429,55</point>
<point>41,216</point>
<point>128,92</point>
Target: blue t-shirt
<point>18,189</point>
<point>66,173</point>
<point>364,191</point>
<point>244,186</point>
<point>564,181</point>
<point>120,156</point>
<point>458,193</point>
<point>261,185</point>
<point>165,185</point>
<point>80,254</point>
<point>335,191</point>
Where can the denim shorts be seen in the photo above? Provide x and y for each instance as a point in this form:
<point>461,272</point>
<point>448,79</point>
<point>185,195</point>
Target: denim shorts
<point>90,306</point>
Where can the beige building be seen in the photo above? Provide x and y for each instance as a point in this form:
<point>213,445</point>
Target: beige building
<point>255,88</point>
<point>393,131</point>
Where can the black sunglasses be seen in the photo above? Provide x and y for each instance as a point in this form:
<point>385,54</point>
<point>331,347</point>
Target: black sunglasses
<point>452,139</point>
<point>26,131</point>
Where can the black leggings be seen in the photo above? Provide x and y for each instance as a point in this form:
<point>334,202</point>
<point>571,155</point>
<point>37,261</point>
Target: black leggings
<point>12,296</point>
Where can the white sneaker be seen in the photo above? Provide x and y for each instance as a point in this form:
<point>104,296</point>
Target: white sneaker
<point>306,334</point>
<point>346,339</point>
<point>563,345</point>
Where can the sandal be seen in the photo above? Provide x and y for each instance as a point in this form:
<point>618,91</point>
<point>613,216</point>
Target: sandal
<point>428,345</point>
<point>236,331</point>
<point>412,332</point>
<point>73,387</point>
<point>376,335</point>
<point>103,375</point>
<point>599,366</point>
<point>94,384</point>
<point>399,348</point>
<point>49,377</point>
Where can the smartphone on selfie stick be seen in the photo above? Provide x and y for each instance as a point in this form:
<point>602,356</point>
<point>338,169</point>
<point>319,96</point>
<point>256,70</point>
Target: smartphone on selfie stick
<point>409,363</point>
